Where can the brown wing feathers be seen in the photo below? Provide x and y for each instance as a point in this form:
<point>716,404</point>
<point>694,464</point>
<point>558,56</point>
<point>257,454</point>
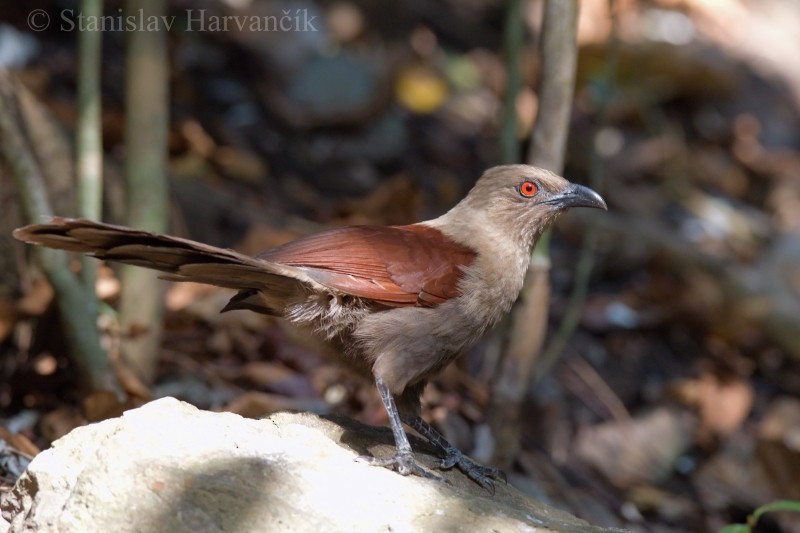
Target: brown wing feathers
<point>394,266</point>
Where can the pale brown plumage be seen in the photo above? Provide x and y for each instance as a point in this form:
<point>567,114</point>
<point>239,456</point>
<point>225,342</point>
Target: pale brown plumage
<point>400,302</point>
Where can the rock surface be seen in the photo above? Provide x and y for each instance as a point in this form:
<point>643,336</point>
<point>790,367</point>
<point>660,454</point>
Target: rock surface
<point>168,466</point>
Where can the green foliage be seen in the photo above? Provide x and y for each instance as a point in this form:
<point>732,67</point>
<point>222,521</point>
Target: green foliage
<point>780,505</point>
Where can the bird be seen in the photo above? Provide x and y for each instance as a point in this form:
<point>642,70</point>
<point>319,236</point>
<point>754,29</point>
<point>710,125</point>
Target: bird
<point>398,303</point>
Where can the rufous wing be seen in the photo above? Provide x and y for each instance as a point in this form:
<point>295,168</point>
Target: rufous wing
<point>396,266</point>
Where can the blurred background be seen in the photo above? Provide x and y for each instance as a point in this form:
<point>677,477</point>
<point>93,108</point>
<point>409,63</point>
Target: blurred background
<point>672,406</point>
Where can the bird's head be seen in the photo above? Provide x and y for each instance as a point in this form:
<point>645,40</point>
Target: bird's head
<point>522,200</point>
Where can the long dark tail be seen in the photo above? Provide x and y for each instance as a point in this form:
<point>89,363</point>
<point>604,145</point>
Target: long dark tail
<point>182,259</point>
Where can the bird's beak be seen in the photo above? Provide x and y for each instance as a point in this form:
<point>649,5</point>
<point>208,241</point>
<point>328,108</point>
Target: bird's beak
<point>579,196</point>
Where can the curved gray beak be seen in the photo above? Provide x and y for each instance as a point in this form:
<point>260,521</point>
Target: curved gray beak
<point>579,196</point>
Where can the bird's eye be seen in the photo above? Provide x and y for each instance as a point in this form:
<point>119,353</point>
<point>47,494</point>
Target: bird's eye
<point>528,188</point>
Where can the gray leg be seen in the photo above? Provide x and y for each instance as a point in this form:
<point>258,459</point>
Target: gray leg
<point>403,460</point>
<point>481,474</point>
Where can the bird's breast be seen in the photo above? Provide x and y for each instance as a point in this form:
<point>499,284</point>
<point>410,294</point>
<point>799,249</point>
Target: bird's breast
<point>492,284</point>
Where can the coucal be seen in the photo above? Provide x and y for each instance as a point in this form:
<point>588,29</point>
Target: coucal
<point>397,302</point>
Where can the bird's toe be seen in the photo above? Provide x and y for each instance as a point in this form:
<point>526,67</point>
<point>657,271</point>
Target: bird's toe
<point>404,463</point>
<point>481,474</point>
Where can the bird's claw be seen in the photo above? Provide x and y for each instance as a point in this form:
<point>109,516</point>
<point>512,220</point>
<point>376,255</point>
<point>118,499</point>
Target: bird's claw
<point>403,463</point>
<point>480,474</point>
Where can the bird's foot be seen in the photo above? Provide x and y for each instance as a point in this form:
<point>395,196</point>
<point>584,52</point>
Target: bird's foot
<point>480,474</point>
<point>404,463</point>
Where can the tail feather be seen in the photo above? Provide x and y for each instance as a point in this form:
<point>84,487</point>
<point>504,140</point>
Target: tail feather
<point>181,259</point>
<point>250,300</point>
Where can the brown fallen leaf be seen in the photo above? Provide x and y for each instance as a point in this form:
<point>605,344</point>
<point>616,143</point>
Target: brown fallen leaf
<point>265,374</point>
<point>131,383</point>
<point>261,404</point>
<point>642,450</point>
<point>674,508</point>
<point>723,405</point>
<point>37,298</point>
<point>102,405</point>
<point>61,421</point>
<point>748,473</point>
<point>19,442</point>
<point>778,448</point>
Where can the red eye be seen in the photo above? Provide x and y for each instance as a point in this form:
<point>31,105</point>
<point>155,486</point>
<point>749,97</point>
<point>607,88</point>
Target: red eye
<point>528,188</point>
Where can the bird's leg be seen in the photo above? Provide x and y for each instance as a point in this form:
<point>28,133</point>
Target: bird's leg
<point>403,460</point>
<point>479,473</point>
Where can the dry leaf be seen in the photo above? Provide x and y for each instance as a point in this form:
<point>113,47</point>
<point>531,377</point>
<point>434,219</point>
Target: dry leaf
<point>264,374</point>
<point>61,421</point>
<point>102,405</point>
<point>261,404</point>
<point>642,450</point>
<point>19,442</point>
<point>722,405</point>
<point>674,508</point>
<point>37,298</point>
<point>131,383</point>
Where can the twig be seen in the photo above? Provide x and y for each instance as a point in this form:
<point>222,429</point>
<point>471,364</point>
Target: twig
<point>591,379</point>
<point>586,260</point>
<point>509,145</point>
<point>89,143</point>
<point>146,122</point>
<point>548,145</point>
<point>559,60</point>
<point>79,321</point>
